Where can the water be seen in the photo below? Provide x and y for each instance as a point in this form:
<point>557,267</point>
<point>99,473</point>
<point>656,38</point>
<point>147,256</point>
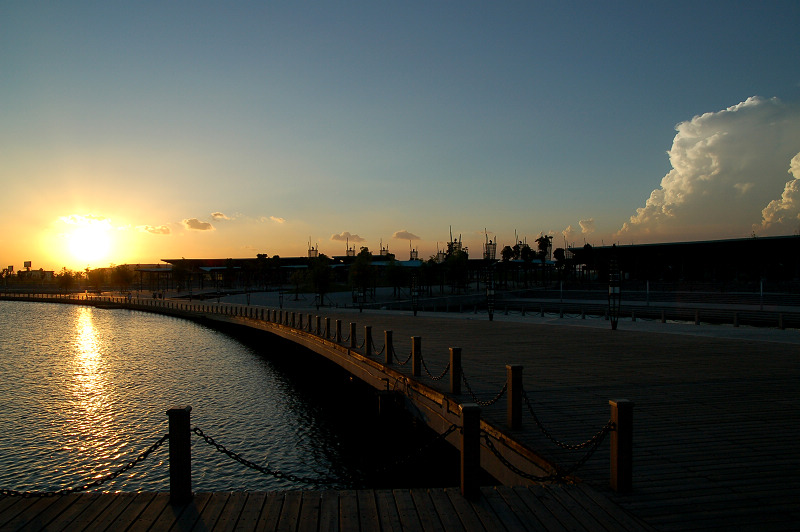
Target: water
<point>85,390</point>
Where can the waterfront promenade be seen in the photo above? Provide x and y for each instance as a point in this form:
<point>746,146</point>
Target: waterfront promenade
<point>717,413</point>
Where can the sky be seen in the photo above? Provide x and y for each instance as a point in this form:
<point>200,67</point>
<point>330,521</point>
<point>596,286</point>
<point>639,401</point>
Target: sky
<point>131,132</point>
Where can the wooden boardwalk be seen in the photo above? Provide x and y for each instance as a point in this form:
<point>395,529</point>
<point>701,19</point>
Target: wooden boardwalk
<point>716,421</point>
<point>572,507</point>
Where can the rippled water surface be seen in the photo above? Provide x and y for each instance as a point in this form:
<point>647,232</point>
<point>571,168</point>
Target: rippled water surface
<point>84,390</point>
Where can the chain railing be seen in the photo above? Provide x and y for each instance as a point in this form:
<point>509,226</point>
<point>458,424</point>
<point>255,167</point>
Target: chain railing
<point>490,402</point>
<point>431,375</point>
<point>558,475</point>
<point>569,446</point>
<point>94,483</point>
<point>265,470</point>
<point>406,361</point>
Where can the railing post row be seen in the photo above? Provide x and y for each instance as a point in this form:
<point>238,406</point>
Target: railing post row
<point>621,445</point>
<point>180,455</point>
<point>470,450</point>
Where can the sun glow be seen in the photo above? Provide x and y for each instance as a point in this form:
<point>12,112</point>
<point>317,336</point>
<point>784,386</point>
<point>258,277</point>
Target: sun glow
<point>89,239</point>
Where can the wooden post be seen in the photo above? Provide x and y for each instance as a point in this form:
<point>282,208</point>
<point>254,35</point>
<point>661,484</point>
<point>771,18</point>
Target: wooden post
<point>387,341</point>
<point>697,317</point>
<point>352,335</point>
<point>416,353</point>
<point>327,327</point>
<point>300,323</point>
<point>663,316</point>
<point>622,445</point>
<point>514,396</point>
<point>470,450</point>
<point>455,370</point>
<point>367,340</point>
<point>180,455</point>
<point>338,331</point>
<point>319,325</point>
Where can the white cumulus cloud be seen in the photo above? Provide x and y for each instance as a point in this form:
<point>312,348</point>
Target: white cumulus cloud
<point>219,216</point>
<point>726,166</point>
<point>783,215</point>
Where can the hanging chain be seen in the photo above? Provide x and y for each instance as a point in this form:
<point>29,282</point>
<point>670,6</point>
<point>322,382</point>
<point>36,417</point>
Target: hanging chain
<point>93,484</point>
<point>265,470</point>
<point>440,377</point>
<point>572,447</point>
<point>475,397</point>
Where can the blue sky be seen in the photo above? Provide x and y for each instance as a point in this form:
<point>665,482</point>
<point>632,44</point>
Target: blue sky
<point>229,129</point>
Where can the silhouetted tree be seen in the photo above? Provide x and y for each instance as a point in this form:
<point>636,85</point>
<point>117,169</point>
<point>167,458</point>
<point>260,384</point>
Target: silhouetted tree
<point>122,277</point>
<point>362,271</point>
<point>65,279</point>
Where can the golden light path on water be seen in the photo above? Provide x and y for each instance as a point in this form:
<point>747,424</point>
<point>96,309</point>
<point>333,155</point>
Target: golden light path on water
<point>84,391</point>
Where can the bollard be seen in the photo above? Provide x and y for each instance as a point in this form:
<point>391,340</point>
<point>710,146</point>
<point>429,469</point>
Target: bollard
<point>180,455</point>
<point>697,317</point>
<point>387,342</point>
<point>294,319</point>
<point>470,450</point>
<point>327,327</point>
<point>455,370</point>
<point>338,331</point>
<point>514,396</point>
<point>663,316</point>
<point>300,321</point>
<point>416,353</point>
<point>367,340</point>
<point>622,445</point>
<point>352,335</point>
<point>319,325</point>
<point>309,323</point>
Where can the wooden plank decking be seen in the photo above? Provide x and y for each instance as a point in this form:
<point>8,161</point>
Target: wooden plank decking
<point>716,421</point>
<point>572,507</point>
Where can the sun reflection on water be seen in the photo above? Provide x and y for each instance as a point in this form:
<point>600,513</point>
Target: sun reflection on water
<point>90,392</point>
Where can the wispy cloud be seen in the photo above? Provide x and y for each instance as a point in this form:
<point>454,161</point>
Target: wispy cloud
<point>156,230</point>
<point>405,235</point>
<point>196,225</point>
<point>346,235</point>
<point>219,216</point>
<point>273,219</point>
<point>86,219</point>
<point>726,166</point>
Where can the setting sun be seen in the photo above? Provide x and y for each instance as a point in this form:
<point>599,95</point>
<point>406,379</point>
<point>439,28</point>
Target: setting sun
<point>89,240</point>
